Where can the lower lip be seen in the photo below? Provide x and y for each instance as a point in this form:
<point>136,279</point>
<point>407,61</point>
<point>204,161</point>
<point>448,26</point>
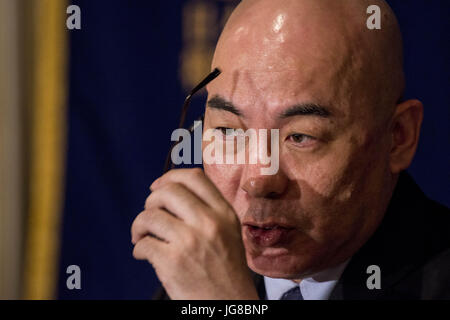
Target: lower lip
<point>268,237</point>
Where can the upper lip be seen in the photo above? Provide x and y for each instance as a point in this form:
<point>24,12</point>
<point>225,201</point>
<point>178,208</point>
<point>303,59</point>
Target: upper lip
<point>267,225</point>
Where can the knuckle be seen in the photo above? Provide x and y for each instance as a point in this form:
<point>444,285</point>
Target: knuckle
<point>137,251</point>
<point>142,223</point>
<point>135,255</point>
<point>161,194</point>
<point>171,174</point>
<point>199,208</point>
<point>190,242</point>
<point>171,187</point>
<point>146,249</point>
<point>137,223</point>
<point>212,228</point>
<point>149,199</point>
<point>166,176</point>
<point>196,173</point>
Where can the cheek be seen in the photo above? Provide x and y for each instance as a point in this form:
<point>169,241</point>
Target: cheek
<point>335,188</point>
<point>327,187</point>
<point>322,177</point>
<point>340,170</point>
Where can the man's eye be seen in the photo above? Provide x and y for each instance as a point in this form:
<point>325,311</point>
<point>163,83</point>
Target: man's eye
<point>225,131</point>
<point>301,139</point>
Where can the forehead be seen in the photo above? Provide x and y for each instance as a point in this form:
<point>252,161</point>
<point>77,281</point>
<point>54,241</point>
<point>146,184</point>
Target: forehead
<point>266,88</point>
<point>281,68</point>
<point>256,87</point>
<point>277,61</point>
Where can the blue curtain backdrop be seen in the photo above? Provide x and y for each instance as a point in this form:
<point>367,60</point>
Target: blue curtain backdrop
<point>124,101</point>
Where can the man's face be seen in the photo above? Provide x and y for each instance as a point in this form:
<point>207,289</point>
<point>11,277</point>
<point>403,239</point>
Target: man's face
<point>328,195</point>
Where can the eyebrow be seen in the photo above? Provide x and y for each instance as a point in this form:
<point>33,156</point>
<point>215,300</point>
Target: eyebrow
<point>301,109</point>
<point>220,103</point>
<point>306,109</point>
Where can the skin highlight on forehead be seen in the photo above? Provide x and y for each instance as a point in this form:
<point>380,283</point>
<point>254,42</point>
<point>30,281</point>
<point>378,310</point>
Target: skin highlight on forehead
<point>315,41</point>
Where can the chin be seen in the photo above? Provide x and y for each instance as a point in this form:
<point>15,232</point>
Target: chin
<point>285,266</point>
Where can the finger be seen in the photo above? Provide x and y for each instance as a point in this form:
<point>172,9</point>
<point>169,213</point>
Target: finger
<point>158,222</point>
<point>196,181</point>
<point>180,201</point>
<point>149,248</point>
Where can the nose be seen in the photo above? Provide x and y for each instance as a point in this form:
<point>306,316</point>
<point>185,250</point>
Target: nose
<point>263,186</point>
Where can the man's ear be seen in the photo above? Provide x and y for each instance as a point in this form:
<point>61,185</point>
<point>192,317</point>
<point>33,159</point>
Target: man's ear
<point>405,130</point>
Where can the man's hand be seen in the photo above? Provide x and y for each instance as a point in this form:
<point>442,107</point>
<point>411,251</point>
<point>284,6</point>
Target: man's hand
<point>196,248</point>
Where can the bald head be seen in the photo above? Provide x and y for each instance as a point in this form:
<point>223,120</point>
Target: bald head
<point>323,41</point>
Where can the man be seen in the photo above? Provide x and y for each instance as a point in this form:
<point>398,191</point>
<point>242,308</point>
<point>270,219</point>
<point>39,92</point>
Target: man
<point>340,219</point>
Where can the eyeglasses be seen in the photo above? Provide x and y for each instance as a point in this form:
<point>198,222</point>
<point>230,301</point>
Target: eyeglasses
<point>210,77</point>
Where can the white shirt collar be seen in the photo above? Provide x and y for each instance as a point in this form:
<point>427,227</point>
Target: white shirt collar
<point>316,287</point>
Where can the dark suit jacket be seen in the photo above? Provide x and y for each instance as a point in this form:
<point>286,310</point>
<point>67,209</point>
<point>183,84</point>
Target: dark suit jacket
<point>411,246</point>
